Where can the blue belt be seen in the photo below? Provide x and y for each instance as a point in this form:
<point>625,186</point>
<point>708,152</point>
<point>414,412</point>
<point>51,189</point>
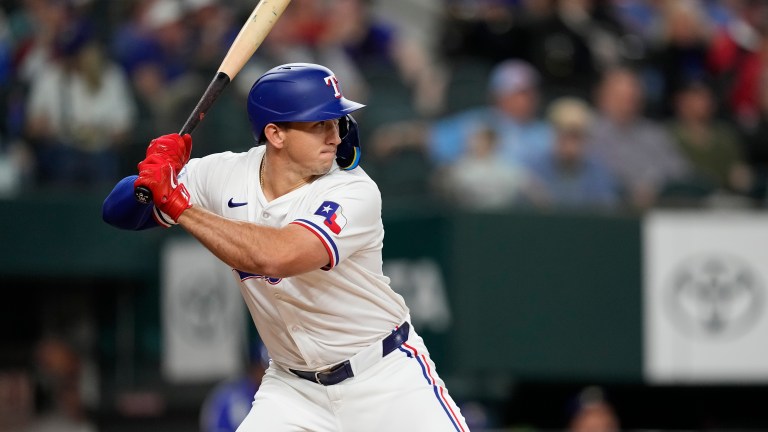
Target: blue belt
<point>343,370</point>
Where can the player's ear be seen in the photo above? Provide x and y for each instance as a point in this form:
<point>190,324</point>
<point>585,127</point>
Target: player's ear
<point>275,135</point>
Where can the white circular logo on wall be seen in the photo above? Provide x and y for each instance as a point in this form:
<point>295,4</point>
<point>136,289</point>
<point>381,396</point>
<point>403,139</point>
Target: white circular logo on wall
<point>200,308</point>
<point>714,296</point>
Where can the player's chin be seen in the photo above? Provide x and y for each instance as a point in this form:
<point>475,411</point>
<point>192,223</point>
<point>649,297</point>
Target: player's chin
<point>325,164</point>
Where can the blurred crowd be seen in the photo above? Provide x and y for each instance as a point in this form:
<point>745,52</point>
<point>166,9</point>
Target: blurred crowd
<point>477,104</point>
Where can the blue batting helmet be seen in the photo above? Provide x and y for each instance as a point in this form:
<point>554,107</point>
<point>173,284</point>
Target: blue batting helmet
<point>301,92</point>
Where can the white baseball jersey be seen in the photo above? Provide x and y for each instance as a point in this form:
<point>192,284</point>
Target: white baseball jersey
<point>325,316</point>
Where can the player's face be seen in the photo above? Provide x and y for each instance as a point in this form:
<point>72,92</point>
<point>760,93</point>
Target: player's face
<point>312,145</point>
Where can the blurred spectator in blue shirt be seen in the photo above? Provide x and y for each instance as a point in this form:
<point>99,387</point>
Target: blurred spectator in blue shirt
<point>513,116</point>
<point>637,150</point>
<point>155,34</point>
<point>227,404</point>
<point>569,176</point>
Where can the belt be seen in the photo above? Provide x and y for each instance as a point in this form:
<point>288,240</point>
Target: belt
<point>345,369</point>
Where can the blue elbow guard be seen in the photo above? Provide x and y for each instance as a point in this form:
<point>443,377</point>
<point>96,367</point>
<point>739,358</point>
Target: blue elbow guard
<point>121,210</point>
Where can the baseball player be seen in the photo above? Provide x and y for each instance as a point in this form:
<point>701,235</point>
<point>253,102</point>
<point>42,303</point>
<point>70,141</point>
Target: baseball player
<point>300,225</point>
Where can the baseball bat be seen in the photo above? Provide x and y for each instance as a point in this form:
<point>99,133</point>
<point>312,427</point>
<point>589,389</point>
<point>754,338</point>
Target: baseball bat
<point>251,35</point>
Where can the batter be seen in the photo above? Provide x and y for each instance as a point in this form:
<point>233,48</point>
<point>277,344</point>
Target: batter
<point>300,224</point>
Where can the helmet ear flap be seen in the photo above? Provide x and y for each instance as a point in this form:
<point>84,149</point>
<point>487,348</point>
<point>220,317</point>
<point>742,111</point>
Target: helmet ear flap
<point>348,152</point>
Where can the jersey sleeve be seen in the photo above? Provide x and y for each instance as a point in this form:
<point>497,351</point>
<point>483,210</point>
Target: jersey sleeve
<point>346,219</point>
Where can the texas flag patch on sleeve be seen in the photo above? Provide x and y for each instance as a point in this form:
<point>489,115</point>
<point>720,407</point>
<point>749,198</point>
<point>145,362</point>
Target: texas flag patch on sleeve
<point>334,219</point>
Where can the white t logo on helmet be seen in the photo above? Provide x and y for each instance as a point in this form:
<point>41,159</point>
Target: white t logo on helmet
<point>332,81</point>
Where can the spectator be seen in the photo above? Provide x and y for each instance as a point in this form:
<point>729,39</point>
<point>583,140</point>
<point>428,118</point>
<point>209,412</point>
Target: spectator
<point>576,43</point>
<point>568,176</point>
<point>592,412</point>
<point>154,48</point>
<point>79,113</point>
<point>14,155</point>
<point>155,34</point>
<point>228,403</point>
<point>637,150</point>
<point>377,48</point>
<point>755,138</point>
<point>481,181</point>
<point>679,50</point>
<point>35,28</point>
<point>513,116</point>
<point>58,373</point>
<point>711,146</point>
<point>490,31</point>
<point>736,58</point>
<point>213,30</point>
<point>298,36</point>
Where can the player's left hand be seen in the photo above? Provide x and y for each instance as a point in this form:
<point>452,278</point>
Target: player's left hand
<point>159,176</point>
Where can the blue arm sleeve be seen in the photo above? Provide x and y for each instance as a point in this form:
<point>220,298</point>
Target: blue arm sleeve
<point>120,208</point>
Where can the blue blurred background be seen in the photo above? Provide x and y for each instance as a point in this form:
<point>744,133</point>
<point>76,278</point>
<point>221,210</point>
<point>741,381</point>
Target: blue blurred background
<point>522,148</point>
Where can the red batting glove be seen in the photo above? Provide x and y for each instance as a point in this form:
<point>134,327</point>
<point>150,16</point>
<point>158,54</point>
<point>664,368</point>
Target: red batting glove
<point>173,147</point>
<point>159,176</point>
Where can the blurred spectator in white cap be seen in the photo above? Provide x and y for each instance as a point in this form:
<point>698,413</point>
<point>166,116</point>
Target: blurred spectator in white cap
<point>568,176</point>
<point>512,115</point>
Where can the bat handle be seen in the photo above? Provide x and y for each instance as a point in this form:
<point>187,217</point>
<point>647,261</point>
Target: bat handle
<point>142,194</point>
<point>220,80</point>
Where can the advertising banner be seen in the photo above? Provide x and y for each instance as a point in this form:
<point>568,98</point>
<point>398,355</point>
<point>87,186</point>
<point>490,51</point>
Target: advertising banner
<point>202,315</point>
<point>705,277</point>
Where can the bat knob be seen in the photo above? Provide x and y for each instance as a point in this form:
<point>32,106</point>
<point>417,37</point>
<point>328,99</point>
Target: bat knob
<point>143,195</point>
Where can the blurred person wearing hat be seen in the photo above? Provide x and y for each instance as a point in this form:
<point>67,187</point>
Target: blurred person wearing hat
<point>512,114</point>
<point>569,176</point>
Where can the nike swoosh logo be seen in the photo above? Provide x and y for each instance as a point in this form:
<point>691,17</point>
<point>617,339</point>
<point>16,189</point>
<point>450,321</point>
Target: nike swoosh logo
<point>231,204</point>
<point>174,184</point>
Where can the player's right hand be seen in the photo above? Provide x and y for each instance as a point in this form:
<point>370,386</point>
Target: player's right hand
<point>173,148</point>
<point>158,175</point>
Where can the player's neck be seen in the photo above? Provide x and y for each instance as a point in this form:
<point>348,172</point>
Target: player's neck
<point>276,182</point>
